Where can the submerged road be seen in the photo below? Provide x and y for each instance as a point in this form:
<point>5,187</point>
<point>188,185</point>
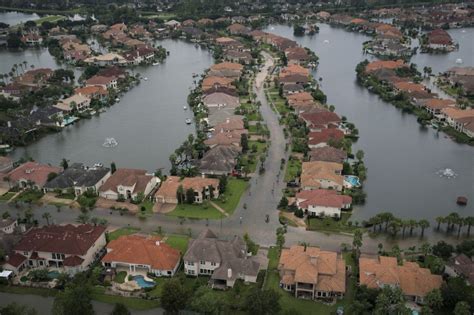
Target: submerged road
<point>260,200</point>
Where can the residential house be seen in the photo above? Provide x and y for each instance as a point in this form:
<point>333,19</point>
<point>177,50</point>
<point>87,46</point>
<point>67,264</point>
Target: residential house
<point>172,24</point>
<point>8,225</point>
<point>139,55</point>
<point>323,202</point>
<point>76,102</point>
<point>126,183</point>
<point>220,160</point>
<point>435,105</point>
<point>291,88</point>
<point>49,116</point>
<point>294,69</point>
<point>408,87</point>
<point>439,39</point>
<point>79,178</point>
<point>226,69</point>
<point>142,253</point>
<point>297,55</point>
<point>73,248</point>
<point>32,39</point>
<point>106,60</point>
<point>226,138</point>
<point>293,79</point>
<point>211,82</point>
<point>455,116</point>
<point>321,175</point>
<point>93,92</point>
<point>465,125</point>
<point>414,282</point>
<point>238,29</point>
<point>243,57</point>
<point>218,99</point>
<point>311,273</point>
<point>385,64</point>
<point>318,139</point>
<point>34,78</point>
<point>234,123</point>
<point>327,154</point>
<point>319,120</point>
<point>225,261</point>
<point>32,174</point>
<point>461,266</point>
<point>105,82</point>
<point>204,189</point>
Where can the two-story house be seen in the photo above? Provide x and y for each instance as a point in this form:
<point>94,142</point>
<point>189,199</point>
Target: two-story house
<point>70,247</point>
<point>203,189</point>
<point>127,183</point>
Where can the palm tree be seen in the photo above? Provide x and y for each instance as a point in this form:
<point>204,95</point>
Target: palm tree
<point>425,249</point>
<point>357,242</point>
<point>469,221</point>
<point>404,225</point>
<point>439,220</point>
<point>460,223</point>
<point>423,224</point>
<point>95,220</point>
<point>46,216</point>
<point>452,220</point>
<point>412,224</point>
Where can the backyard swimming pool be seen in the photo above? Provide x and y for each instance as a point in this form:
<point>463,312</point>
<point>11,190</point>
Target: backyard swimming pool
<point>351,181</point>
<point>143,283</point>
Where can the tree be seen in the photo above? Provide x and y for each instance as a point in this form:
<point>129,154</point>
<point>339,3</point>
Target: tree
<point>244,143</point>
<point>280,237</point>
<point>462,308</point>
<point>439,220</point>
<point>83,218</point>
<point>262,302</point>
<point>425,249</point>
<point>357,242</point>
<point>469,221</point>
<point>75,300</point>
<point>434,299</point>
<point>455,290</point>
<point>120,309</point>
<point>206,301</point>
<point>423,224</point>
<point>283,203</point>
<point>443,250</point>
<point>113,167</point>
<point>174,296</point>
<point>190,195</point>
<point>298,30</point>
<point>222,184</point>
<point>412,224</point>
<point>252,247</point>
<point>17,309</point>
<point>64,163</point>
<point>390,298</point>
<point>46,216</point>
<point>360,155</point>
<point>180,194</point>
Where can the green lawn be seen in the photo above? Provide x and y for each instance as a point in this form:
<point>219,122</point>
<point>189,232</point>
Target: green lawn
<point>133,303</point>
<point>27,290</point>
<point>273,257</point>
<point>196,211</point>
<point>179,242</point>
<point>120,277</point>
<point>50,18</point>
<point>293,169</point>
<point>119,232</point>
<point>231,197</point>
<point>7,196</point>
<point>331,225</point>
<point>30,196</point>
<point>261,146</point>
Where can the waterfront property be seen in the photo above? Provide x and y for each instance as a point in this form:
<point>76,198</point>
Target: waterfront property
<point>128,184</point>
<point>8,225</point>
<point>225,261</point>
<point>321,175</point>
<point>201,187</point>
<point>414,281</point>
<point>76,102</point>
<point>32,175</point>
<point>138,253</point>
<point>220,160</point>
<point>322,202</point>
<point>80,179</point>
<point>311,273</point>
<point>70,248</point>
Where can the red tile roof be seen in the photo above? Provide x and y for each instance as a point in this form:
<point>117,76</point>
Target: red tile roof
<point>324,136</point>
<point>34,172</point>
<point>322,197</point>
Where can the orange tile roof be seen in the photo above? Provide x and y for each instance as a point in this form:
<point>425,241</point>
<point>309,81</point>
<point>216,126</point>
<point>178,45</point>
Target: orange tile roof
<point>456,113</point>
<point>387,64</point>
<point>409,87</point>
<point>410,277</point>
<point>317,170</point>
<point>358,21</point>
<point>211,81</point>
<point>294,69</point>
<point>143,250</point>
<point>437,103</point>
<point>227,66</point>
<point>323,269</point>
<point>91,90</point>
<point>322,197</point>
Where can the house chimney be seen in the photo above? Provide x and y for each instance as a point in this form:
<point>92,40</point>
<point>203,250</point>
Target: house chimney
<point>229,273</point>
<point>313,260</point>
<point>157,243</point>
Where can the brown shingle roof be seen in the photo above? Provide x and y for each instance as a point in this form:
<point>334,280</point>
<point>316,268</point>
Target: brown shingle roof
<point>63,239</point>
<point>32,171</point>
<point>127,177</point>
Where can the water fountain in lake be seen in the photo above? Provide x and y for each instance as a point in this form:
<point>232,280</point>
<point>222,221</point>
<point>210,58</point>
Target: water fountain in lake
<point>446,173</point>
<point>110,143</point>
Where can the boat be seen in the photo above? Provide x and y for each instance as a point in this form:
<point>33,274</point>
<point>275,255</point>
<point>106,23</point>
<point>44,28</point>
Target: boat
<point>188,121</point>
<point>462,201</point>
<point>110,143</point>
<point>117,99</point>
<point>185,107</point>
<point>155,63</point>
<point>145,78</point>
<point>459,61</point>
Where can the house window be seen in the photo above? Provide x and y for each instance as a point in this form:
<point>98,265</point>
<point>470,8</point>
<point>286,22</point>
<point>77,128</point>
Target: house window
<point>190,263</point>
<point>213,263</point>
<point>202,262</point>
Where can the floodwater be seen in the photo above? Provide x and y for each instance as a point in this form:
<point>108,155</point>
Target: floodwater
<point>401,156</point>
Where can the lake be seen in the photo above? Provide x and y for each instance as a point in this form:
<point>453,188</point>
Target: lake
<point>401,156</point>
